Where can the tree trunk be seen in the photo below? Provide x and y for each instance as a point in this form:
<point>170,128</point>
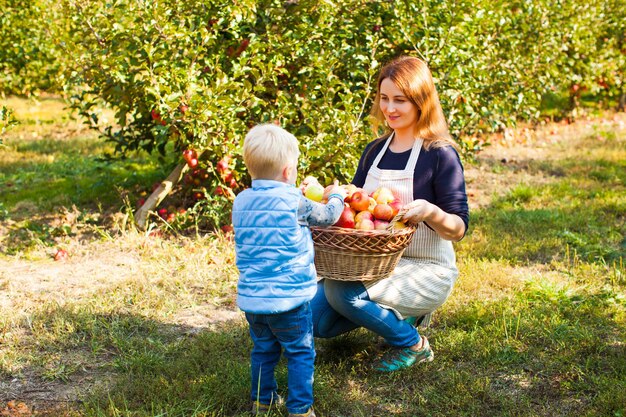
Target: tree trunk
<point>141,215</point>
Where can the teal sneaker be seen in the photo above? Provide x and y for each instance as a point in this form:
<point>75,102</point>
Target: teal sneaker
<point>404,357</point>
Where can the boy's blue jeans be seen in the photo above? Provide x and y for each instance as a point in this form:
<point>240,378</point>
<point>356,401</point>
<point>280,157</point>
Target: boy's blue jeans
<point>341,306</point>
<point>293,332</point>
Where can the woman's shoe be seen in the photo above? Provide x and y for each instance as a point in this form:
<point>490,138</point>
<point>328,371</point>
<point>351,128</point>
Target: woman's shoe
<point>405,357</point>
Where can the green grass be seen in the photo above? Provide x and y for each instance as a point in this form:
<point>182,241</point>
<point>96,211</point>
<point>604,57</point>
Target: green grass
<point>536,325</point>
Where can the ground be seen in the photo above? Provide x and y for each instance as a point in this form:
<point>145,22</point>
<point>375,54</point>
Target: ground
<point>97,264</point>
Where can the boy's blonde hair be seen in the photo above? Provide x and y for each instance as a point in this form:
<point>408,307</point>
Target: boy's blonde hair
<point>268,149</point>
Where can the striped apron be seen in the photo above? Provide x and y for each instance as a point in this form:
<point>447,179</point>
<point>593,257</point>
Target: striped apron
<point>427,271</point>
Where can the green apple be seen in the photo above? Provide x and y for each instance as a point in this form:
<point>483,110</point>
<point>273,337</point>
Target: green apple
<point>314,191</point>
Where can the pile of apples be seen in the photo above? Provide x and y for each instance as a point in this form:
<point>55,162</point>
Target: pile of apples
<point>362,211</point>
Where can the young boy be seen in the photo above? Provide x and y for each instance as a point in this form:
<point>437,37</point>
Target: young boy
<point>277,277</point>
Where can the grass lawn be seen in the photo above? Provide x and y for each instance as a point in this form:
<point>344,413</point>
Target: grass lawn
<point>134,324</point>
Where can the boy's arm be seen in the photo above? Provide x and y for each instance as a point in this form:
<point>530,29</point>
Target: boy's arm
<point>318,214</point>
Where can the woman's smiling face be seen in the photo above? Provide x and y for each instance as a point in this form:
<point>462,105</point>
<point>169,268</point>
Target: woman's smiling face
<point>399,111</point>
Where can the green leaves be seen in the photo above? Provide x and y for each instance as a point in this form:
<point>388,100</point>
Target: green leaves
<point>309,65</point>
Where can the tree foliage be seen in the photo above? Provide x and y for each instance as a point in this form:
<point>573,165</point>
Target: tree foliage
<point>198,74</point>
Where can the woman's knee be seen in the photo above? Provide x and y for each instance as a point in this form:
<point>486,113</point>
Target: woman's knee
<point>342,293</point>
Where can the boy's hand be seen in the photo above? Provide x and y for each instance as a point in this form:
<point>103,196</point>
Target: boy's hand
<point>336,189</point>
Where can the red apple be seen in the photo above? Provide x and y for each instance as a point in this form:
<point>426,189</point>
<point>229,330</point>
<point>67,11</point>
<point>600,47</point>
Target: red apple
<point>162,213</point>
<point>227,228</point>
<point>347,218</point>
<point>193,162</point>
<point>381,224</point>
<point>396,205</point>
<point>383,212</point>
<point>189,154</point>
<point>222,165</point>
<point>359,201</point>
<point>183,108</point>
<point>61,255</point>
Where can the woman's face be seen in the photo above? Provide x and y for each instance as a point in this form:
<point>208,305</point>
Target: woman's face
<point>399,111</point>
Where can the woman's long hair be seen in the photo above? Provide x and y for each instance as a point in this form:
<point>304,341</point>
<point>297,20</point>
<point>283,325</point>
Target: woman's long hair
<point>412,76</point>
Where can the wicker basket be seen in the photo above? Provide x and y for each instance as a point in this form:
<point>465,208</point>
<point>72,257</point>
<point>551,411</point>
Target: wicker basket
<point>358,255</point>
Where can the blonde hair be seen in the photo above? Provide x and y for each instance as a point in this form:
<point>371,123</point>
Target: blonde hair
<point>268,149</point>
<point>412,76</point>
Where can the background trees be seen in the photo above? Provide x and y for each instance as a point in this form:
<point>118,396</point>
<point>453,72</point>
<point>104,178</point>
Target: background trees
<point>196,74</point>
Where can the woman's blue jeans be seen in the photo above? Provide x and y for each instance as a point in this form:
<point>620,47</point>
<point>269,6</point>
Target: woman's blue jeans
<point>293,332</point>
<point>341,306</point>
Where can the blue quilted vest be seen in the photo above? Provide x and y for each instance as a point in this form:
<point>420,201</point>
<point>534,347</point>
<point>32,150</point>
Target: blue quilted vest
<point>274,252</point>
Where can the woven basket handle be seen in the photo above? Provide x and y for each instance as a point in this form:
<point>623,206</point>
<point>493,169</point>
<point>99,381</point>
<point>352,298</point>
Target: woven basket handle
<point>396,218</point>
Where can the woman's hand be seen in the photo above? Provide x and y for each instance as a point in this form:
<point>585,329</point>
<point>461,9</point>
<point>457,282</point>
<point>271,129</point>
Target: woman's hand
<point>448,226</point>
<point>418,211</point>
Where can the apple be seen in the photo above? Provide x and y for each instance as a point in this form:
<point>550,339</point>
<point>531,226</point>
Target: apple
<point>193,162</point>
<point>233,183</point>
<point>383,212</point>
<point>364,224</point>
<point>198,195</point>
<point>381,224</point>
<point>227,176</point>
<point>162,213</point>
<point>314,191</point>
<point>183,108</point>
<point>372,204</point>
<point>61,255</point>
<point>396,205</point>
<point>347,218</point>
<point>398,225</point>
<point>141,202</point>
<point>222,165</point>
<point>227,228</point>
<point>359,201</point>
<point>350,189</point>
<point>363,215</point>
<point>189,154</point>
<point>383,195</point>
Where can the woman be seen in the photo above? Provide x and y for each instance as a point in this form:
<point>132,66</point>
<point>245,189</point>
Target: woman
<point>417,159</point>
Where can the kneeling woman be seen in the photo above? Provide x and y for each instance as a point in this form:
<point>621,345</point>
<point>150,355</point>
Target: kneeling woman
<point>418,160</point>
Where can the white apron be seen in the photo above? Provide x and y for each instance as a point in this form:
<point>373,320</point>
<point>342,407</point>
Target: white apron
<point>427,271</point>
